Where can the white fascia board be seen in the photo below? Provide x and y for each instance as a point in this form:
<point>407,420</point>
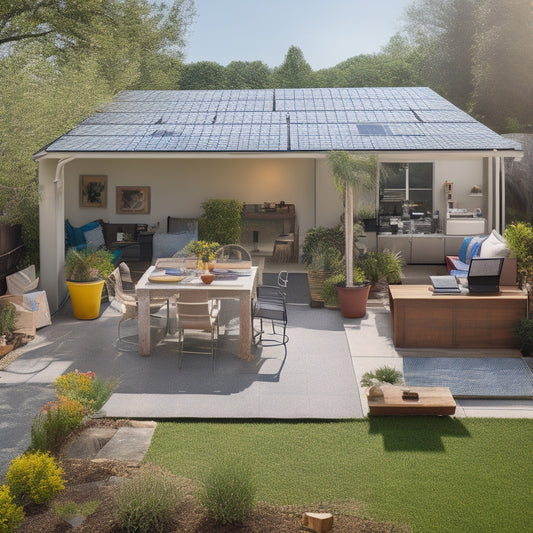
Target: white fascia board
<point>383,156</point>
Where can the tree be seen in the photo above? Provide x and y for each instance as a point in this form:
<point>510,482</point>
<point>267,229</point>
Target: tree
<point>248,75</point>
<point>443,31</point>
<point>203,75</point>
<point>53,75</point>
<point>64,20</point>
<point>294,72</point>
<point>503,59</point>
<point>351,171</point>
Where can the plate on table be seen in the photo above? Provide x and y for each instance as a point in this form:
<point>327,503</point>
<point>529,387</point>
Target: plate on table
<point>165,278</point>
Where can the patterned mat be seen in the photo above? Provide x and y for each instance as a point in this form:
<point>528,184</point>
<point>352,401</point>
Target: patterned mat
<point>473,377</point>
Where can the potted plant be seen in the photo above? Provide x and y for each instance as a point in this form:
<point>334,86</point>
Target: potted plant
<point>324,262</point>
<point>367,214</point>
<point>322,252</point>
<point>8,318</point>
<point>86,271</point>
<point>380,267</point>
<point>205,251</point>
<point>352,300</point>
<point>351,171</point>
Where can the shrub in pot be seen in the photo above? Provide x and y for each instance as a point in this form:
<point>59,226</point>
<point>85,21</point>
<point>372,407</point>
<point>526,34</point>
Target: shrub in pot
<point>381,266</point>
<point>353,299</point>
<point>86,271</point>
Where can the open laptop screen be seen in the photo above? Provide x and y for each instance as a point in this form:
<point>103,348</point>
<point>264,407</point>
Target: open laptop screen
<point>484,274</point>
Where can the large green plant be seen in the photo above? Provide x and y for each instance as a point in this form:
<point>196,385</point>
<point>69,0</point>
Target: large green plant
<point>519,237</point>
<point>351,171</point>
<point>221,221</point>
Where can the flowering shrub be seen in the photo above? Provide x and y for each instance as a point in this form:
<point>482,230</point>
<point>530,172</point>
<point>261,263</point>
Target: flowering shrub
<point>55,421</point>
<point>35,477</point>
<point>11,514</point>
<point>85,388</point>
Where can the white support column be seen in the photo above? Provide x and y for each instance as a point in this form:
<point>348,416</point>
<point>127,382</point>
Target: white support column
<point>497,204</point>
<point>502,159</point>
<point>490,195</point>
<point>51,233</point>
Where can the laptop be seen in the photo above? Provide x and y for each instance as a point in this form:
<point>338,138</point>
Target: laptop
<point>484,275</point>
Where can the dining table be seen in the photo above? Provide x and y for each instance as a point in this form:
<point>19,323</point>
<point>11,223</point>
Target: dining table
<point>228,284</point>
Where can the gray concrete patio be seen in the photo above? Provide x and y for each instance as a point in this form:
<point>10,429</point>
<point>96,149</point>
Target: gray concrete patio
<point>327,356</point>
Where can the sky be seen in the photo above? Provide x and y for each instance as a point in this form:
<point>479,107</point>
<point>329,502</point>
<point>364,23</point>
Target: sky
<point>327,31</point>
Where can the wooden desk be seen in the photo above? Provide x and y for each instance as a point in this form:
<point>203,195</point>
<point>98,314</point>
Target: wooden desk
<point>421,319</point>
<point>241,289</point>
<point>431,401</point>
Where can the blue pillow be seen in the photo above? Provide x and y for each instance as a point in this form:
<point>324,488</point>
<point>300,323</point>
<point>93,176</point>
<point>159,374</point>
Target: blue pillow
<point>77,236</point>
<point>464,247</point>
<point>473,247</point>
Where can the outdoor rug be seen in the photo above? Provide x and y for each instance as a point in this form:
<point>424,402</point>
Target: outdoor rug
<point>473,377</point>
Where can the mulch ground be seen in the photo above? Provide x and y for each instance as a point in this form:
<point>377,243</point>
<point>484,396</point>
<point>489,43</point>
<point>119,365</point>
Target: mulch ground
<point>88,480</point>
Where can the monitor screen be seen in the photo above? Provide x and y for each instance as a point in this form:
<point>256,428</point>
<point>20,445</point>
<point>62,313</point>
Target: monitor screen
<point>485,267</point>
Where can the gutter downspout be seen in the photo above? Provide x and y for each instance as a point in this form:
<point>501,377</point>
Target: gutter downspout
<point>503,195</point>
<point>59,223</point>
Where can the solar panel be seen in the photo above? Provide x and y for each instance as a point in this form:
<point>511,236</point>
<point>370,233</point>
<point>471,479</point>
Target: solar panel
<point>321,119</point>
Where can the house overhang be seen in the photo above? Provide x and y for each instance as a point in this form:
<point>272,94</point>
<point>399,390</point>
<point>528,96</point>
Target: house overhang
<point>386,156</point>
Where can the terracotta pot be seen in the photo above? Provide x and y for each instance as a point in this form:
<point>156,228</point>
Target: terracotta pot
<point>207,277</point>
<point>353,300</point>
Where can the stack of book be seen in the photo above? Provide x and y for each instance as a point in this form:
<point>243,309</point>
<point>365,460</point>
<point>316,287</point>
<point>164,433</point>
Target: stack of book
<point>445,285</point>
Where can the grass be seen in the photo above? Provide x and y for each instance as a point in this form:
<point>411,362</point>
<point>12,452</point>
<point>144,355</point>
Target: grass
<point>437,474</point>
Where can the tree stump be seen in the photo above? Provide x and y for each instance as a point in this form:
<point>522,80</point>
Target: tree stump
<point>318,522</point>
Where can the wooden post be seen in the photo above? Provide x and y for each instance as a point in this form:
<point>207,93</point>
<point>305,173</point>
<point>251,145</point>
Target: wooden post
<point>318,522</point>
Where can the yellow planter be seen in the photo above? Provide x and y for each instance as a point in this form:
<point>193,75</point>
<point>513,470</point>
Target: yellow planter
<point>85,297</point>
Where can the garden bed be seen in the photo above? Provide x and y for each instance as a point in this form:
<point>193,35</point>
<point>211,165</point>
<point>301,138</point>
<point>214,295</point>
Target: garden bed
<point>90,480</point>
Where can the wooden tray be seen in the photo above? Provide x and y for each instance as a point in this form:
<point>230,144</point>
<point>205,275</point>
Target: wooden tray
<point>166,279</point>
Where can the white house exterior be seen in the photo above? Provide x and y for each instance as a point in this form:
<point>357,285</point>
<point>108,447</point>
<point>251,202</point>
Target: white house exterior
<point>271,145</point>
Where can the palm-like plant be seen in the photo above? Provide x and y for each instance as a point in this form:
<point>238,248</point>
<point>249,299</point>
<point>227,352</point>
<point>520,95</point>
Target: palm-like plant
<point>351,171</point>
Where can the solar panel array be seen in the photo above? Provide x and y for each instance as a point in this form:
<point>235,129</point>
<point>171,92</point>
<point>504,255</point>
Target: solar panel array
<point>280,120</point>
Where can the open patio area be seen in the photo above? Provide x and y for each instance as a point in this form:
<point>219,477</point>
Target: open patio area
<point>319,379</point>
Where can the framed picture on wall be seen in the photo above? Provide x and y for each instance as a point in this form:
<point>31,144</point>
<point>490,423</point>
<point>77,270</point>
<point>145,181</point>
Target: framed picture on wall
<point>93,191</point>
<point>133,200</point>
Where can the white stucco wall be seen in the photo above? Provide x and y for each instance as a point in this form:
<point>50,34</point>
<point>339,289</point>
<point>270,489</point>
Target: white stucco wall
<point>179,186</point>
<point>464,174</point>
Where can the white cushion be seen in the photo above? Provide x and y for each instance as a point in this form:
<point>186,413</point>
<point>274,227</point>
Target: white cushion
<point>95,237</point>
<point>167,244</point>
<point>22,281</point>
<point>494,246</point>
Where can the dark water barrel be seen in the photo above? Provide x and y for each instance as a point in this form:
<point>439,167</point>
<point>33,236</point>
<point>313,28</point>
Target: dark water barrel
<point>12,251</point>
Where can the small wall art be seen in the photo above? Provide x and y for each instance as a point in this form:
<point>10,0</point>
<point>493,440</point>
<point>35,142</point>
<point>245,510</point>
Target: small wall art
<point>133,200</point>
<point>93,191</point>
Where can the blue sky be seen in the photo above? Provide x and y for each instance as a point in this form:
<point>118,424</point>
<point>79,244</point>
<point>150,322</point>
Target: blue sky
<point>327,31</point>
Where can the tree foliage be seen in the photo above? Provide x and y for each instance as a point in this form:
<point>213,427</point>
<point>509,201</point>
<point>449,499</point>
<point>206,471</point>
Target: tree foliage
<point>60,61</point>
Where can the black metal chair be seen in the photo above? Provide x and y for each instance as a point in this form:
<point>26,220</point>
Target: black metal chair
<point>271,305</point>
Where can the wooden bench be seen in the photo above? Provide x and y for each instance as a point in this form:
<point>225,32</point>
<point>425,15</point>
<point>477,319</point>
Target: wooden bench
<point>431,401</point>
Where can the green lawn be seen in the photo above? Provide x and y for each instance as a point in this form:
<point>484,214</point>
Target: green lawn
<point>437,474</point>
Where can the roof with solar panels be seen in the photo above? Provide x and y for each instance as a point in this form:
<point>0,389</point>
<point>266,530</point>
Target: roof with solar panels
<point>280,120</point>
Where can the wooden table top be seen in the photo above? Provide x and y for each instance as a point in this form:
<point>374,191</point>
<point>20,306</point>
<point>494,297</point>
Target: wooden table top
<point>418,292</point>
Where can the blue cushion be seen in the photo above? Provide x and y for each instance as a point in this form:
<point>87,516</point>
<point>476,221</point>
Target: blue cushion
<point>474,247</point>
<point>74,236</point>
<point>464,247</point>
<point>459,273</point>
<point>117,256</point>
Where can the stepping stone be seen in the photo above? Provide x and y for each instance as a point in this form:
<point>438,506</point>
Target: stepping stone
<point>128,444</point>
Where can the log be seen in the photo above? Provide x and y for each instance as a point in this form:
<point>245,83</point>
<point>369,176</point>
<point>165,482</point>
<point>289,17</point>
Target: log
<point>318,522</point>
